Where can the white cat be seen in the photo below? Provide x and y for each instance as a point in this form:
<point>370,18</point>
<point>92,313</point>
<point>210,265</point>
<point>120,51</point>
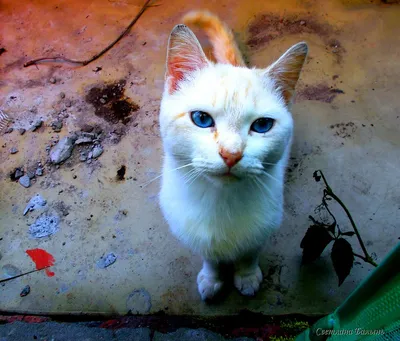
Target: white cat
<point>226,132</point>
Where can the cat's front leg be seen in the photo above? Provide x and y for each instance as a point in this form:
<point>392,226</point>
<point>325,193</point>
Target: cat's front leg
<point>248,275</point>
<point>209,281</point>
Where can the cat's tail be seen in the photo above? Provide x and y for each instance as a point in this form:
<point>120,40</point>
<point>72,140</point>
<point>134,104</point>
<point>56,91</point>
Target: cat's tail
<point>221,37</point>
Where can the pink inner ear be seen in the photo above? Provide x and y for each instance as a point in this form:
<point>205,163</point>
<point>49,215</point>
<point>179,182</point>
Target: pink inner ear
<point>177,66</point>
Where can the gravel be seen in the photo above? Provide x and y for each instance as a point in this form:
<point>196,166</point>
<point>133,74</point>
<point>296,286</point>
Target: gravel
<point>62,150</point>
<point>13,150</point>
<point>25,181</point>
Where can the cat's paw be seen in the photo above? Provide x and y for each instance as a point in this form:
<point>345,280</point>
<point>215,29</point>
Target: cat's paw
<point>248,283</point>
<point>208,286</point>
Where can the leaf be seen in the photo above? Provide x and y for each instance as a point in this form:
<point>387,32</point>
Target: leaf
<point>316,176</point>
<point>314,242</point>
<point>350,233</point>
<point>342,258</point>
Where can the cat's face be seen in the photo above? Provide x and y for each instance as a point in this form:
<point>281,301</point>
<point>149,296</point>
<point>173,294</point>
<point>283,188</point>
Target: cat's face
<point>228,122</point>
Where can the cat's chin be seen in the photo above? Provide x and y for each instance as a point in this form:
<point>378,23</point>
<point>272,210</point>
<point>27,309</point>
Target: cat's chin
<point>223,177</point>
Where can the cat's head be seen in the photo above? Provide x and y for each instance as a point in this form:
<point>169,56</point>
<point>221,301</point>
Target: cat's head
<point>225,119</point>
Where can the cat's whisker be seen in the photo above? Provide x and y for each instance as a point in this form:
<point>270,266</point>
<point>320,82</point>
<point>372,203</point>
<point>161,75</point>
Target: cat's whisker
<point>269,164</point>
<point>271,176</point>
<point>159,176</point>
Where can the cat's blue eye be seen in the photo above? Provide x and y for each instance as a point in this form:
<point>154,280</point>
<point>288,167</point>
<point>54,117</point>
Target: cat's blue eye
<point>202,119</point>
<point>262,125</point>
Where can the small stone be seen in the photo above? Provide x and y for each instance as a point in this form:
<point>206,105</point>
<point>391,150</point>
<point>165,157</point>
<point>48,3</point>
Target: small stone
<point>90,155</point>
<point>9,130</point>
<point>25,181</point>
<point>62,95</point>
<point>18,173</point>
<point>39,172</point>
<point>102,100</point>
<point>36,125</point>
<point>52,80</point>
<point>25,291</point>
<point>13,150</point>
<point>302,23</point>
<point>62,150</point>
<point>30,174</point>
<point>106,260</point>
<point>57,125</point>
<point>97,151</point>
<point>22,131</point>
<point>82,157</point>
<point>89,161</point>
<point>83,140</point>
<point>68,104</point>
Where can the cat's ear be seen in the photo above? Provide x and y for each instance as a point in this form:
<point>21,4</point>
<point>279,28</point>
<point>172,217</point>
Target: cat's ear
<point>286,70</point>
<point>184,56</point>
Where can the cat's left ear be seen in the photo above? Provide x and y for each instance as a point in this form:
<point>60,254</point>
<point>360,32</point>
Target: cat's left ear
<point>184,56</point>
<point>286,70</point>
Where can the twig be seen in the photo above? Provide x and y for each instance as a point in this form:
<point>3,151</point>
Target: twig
<point>96,56</point>
<point>20,275</point>
<point>329,192</point>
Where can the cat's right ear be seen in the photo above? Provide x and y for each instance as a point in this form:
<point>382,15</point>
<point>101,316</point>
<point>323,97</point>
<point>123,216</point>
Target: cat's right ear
<point>184,56</point>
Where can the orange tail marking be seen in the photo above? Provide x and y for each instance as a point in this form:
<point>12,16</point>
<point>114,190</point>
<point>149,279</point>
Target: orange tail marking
<point>221,37</point>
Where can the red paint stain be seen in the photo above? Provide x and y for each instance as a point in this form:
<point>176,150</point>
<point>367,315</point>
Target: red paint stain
<point>42,259</point>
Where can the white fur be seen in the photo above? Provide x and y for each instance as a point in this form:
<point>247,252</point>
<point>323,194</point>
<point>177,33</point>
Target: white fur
<point>222,219</point>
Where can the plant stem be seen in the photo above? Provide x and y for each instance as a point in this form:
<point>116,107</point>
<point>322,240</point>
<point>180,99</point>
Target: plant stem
<point>370,261</point>
<point>329,192</point>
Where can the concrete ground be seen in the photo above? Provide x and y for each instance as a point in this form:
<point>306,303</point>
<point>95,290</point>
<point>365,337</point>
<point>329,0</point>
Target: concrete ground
<point>102,209</point>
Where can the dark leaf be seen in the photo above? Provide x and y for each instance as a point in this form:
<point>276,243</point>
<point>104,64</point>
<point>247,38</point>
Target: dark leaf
<point>314,242</point>
<point>316,176</point>
<point>342,258</point>
<point>350,233</point>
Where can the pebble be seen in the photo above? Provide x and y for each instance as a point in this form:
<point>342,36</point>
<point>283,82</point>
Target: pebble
<point>18,173</point>
<point>62,95</point>
<point>302,23</point>
<point>36,125</point>
<point>9,130</point>
<point>82,157</point>
<point>62,150</point>
<point>22,131</point>
<point>52,80</point>
<point>102,100</point>
<point>56,126</point>
<point>97,151</point>
<point>106,261</point>
<point>68,104</point>
<point>25,291</point>
<point>31,174</point>
<point>90,155</point>
<point>13,150</point>
<point>39,171</point>
<point>25,181</point>
<point>84,140</point>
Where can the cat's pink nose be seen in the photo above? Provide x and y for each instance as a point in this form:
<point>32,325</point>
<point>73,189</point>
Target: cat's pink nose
<point>230,159</point>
